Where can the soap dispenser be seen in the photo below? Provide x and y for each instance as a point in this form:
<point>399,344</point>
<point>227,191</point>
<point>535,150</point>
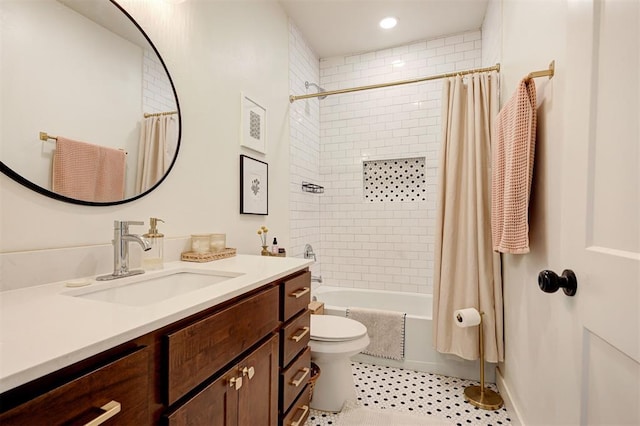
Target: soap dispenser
<point>154,258</point>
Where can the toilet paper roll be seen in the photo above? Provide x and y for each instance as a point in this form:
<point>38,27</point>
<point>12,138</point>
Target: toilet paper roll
<point>468,317</point>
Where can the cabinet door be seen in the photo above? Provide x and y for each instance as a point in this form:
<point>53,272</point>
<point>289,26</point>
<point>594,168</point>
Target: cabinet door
<point>114,394</point>
<point>258,398</point>
<point>215,405</point>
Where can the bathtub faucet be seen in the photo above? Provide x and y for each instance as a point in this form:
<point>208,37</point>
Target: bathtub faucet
<point>317,279</point>
<point>308,252</point>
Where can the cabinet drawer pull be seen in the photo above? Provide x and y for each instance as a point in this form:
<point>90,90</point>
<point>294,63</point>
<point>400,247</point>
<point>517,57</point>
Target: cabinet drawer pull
<point>297,338</point>
<point>248,371</point>
<point>299,293</point>
<point>110,409</point>
<point>296,383</point>
<point>235,383</point>
<point>305,410</point>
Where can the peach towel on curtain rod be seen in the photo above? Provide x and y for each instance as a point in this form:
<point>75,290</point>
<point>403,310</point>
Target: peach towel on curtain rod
<point>88,172</point>
<point>513,154</point>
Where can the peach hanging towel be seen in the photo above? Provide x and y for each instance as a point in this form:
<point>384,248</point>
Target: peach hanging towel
<point>88,172</point>
<point>512,170</point>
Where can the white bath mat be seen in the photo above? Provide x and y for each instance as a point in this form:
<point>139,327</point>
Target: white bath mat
<point>355,415</point>
<point>385,329</point>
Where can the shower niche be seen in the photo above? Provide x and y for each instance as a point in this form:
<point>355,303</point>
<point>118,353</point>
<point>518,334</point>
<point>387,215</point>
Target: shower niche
<point>395,180</point>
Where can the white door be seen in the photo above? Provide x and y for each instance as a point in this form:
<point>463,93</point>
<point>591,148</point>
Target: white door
<point>601,204</point>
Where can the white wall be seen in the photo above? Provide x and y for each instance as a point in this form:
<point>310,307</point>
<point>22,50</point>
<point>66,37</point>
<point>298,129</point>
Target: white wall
<point>383,245</point>
<point>537,372</point>
<point>492,34</point>
<point>214,50</point>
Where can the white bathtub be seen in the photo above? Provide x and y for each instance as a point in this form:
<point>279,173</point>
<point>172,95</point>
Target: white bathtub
<point>419,352</point>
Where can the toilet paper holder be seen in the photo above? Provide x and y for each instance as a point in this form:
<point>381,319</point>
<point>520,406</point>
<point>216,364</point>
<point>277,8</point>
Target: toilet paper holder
<point>479,396</point>
<point>550,282</point>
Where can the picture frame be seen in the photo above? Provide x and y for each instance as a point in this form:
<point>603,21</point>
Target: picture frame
<point>254,186</point>
<point>253,121</point>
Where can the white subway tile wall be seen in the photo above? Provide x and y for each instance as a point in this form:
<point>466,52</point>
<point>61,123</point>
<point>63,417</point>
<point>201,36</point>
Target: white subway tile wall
<point>157,95</point>
<point>358,243</point>
<point>381,245</point>
<point>304,149</point>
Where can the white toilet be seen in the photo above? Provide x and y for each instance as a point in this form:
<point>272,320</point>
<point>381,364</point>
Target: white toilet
<point>333,341</point>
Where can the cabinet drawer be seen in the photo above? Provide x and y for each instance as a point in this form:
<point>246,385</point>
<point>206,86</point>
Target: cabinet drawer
<point>122,383</point>
<point>295,378</point>
<point>296,295</point>
<point>295,337</point>
<point>199,350</point>
<point>299,411</point>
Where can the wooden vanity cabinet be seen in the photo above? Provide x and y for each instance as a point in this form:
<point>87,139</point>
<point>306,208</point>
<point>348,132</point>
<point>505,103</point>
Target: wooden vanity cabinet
<point>226,365</point>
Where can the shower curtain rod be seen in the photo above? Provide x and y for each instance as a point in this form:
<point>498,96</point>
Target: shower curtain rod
<point>535,74</point>
<point>293,98</point>
<point>158,114</point>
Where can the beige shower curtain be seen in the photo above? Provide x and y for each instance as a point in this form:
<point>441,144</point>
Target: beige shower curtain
<point>156,149</point>
<point>466,270</point>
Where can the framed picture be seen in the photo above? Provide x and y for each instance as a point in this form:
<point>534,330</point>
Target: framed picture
<point>254,186</point>
<point>253,123</point>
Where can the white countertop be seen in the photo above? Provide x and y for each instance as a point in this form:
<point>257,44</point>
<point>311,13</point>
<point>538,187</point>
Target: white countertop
<point>44,328</point>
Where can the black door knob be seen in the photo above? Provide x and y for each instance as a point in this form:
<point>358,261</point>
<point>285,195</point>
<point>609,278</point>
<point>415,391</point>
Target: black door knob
<point>550,282</point>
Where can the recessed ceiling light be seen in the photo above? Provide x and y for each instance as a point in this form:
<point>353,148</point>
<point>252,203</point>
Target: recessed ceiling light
<point>388,22</point>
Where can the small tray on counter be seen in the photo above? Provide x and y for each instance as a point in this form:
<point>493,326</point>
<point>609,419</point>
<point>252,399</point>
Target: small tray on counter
<point>191,256</point>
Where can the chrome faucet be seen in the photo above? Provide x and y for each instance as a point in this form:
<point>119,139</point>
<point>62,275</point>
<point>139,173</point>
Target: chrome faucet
<point>121,240</point>
<point>308,252</point>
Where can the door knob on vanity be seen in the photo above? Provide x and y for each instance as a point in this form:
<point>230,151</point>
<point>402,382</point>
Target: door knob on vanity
<point>235,382</point>
<point>250,371</point>
<point>550,282</point>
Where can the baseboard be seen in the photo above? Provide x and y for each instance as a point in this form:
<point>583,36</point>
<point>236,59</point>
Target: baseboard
<point>512,408</point>
<point>462,369</point>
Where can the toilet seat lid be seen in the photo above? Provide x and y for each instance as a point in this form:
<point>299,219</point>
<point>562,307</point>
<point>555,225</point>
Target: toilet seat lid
<point>332,328</point>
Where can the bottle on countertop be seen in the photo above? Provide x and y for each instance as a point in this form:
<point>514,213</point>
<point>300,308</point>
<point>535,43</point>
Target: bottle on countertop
<point>154,258</point>
<point>274,246</point>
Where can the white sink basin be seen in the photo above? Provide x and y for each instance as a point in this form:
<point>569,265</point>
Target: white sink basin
<point>143,290</point>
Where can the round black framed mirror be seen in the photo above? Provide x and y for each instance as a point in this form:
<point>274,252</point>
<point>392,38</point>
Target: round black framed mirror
<point>88,111</point>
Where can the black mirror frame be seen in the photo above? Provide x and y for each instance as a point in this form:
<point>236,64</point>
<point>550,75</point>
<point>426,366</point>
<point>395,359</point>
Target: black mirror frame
<point>37,188</point>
